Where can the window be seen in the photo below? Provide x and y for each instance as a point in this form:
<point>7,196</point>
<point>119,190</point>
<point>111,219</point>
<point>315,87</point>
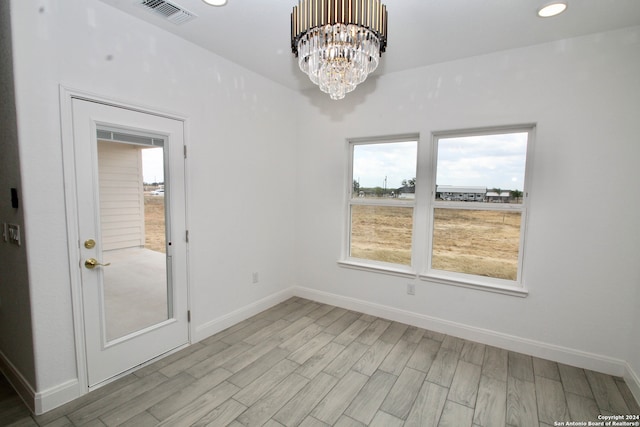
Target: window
<point>454,214</point>
<point>382,201</point>
<point>478,206</point>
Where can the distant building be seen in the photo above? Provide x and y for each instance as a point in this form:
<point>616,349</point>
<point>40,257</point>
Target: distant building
<point>461,194</point>
<point>494,197</point>
<point>406,192</point>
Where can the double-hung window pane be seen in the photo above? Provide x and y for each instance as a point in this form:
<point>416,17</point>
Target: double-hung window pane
<point>478,208</point>
<point>382,201</point>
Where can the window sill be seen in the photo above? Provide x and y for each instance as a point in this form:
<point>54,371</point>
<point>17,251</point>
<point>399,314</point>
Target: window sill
<point>481,286</point>
<point>376,268</point>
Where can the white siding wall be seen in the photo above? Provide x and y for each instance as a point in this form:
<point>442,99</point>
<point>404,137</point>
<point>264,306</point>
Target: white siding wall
<point>121,195</point>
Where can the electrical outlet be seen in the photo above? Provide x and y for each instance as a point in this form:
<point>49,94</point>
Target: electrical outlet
<point>255,277</point>
<point>411,289</point>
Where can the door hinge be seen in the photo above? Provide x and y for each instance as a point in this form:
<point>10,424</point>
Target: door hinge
<point>186,236</point>
<point>189,316</point>
<point>185,151</point>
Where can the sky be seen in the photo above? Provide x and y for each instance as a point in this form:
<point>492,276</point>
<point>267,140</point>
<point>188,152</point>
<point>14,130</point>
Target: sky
<point>152,165</point>
<point>491,161</point>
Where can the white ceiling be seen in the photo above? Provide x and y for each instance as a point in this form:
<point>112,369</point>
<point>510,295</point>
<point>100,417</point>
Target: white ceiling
<point>256,33</point>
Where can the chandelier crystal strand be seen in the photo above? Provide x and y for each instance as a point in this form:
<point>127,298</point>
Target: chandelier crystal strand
<point>338,42</point>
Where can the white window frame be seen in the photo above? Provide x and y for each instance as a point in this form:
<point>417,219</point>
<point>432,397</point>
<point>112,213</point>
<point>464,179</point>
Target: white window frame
<point>372,265</point>
<point>505,286</point>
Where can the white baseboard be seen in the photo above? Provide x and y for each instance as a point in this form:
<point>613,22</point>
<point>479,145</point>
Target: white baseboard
<point>43,401</point>
<point>56,396</point>
<point>221,323</point>
<point>633,381</point>
<point>540,349</point>
<point>19,382</point>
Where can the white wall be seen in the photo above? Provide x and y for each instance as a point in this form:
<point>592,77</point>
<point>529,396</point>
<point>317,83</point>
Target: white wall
<point>581,254</point>
<point>240,168</point>
<point>16,339</point>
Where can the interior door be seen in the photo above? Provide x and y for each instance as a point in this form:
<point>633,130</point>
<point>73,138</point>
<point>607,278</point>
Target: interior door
<point>131,221</point>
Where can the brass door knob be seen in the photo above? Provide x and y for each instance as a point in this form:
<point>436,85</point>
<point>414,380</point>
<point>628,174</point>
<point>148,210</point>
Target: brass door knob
<point>91,263</point>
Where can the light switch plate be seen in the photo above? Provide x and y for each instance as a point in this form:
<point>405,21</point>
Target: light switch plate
<point>14,233</point>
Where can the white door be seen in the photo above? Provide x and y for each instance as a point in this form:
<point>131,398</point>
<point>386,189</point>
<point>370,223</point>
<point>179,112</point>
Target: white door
<point>129,170</point>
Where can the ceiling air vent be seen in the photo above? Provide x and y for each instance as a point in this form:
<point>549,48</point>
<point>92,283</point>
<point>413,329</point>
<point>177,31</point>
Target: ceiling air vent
<point>170,11</point>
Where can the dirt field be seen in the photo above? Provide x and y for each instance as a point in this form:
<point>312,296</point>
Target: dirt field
<point>478,242</point>
<point>154,223</point>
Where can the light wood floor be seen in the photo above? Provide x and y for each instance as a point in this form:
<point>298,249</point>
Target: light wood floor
<point>309,364</point>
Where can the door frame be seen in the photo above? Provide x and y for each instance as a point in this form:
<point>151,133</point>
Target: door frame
<point>73,239</point>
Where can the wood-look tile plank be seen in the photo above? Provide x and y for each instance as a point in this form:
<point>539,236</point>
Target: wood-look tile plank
<point>246,358</point>
<point>312,346</point>
<point>267,381</point>
<point>382,419</point>
<point>606,393</point>
<point>473,352</point>
<point>221,415</point>
<point>342,323</point>
<point>301,312</point>
<point>546,368</point>
<point>632,403</point>
<point>372,358</point>
<point>201,406</point>
<point>346,359</point>
<point>112,401</point>
<point>491,402</point>
<point>312,422</point>
<point>182,397</point>
<point>393,333</point>
<point>366,403</point>
<point>424,355</point>
<point>436,336</point>
<point>167,360</point>
<point>339,398</point>
<point>403,393</point>
<point>320,311</point>
<point>427,409</point>
<point>301,338</point>
<point>247,331</point>
<point>194,358</point>
<point>370,335</point>
<point>453,343</point>
<point>522,408</point>
<point>298,408</point>
<point>270,404</point>
<point>574,381</point>
<point>368,318</point>
<point>582,408</point>
<point>413,334</point>
<point>331,316</point>
<point>464,386</point>
<point>521,366</point>
<point>398,357</point>
<point>267,331</point>
<point>141,402</point>
<point>143,419</point>
<point>551,400</point>
<point>443,367</point>
<point>455,415</point>
<point>346,421</point>
<point>248,374</point>
<point>316,363</point>
<point>202,368</point>
<point>495,363</point>
<point>351,332</point>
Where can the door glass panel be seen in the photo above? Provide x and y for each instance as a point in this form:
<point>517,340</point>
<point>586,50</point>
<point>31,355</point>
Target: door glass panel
<point>133,206</point>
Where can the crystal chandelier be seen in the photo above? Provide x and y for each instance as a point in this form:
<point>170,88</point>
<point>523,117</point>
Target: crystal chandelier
<point>338,42</point>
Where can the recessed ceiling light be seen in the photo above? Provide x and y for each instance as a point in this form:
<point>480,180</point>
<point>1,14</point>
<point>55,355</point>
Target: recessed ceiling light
<point>215,2</point>
<point>552,9</point>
